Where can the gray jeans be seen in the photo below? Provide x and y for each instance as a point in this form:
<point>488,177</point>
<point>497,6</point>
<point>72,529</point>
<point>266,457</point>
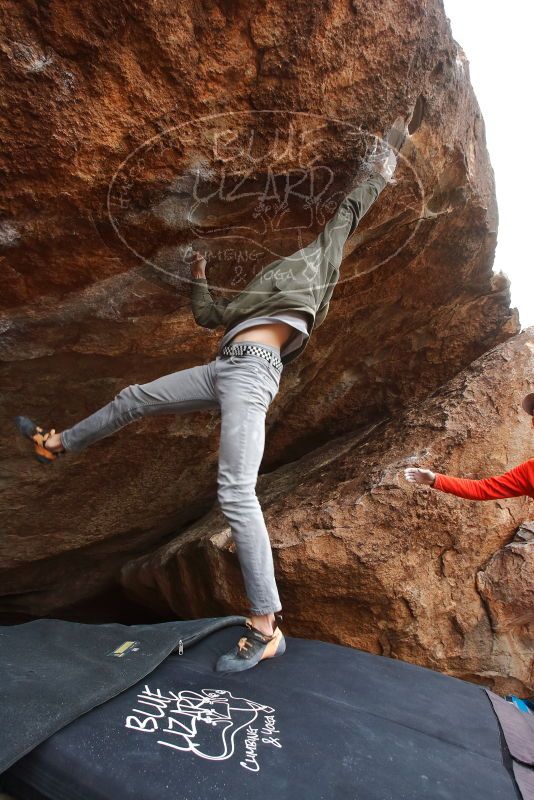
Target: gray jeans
<point>243,388</point>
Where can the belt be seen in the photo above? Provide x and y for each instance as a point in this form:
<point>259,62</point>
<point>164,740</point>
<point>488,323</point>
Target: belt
<point>253,350</point>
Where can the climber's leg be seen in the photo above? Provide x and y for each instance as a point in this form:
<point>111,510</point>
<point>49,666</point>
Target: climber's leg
<point>246,385</point>
<point>177,393</point>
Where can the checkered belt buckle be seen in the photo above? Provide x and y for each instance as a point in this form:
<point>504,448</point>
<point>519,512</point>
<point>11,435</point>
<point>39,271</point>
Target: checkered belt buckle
<point>253,350</point>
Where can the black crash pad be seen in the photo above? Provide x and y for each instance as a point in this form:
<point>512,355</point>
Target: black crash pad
<point>52,671</point>
<point>322,722</point>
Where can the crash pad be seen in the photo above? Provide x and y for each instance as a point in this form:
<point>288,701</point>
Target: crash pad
<point>52,671</point>
<point>323,721</point>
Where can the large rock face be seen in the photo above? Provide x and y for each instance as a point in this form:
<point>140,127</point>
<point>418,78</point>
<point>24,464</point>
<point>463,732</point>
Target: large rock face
<point>117,117</point>
<point>365,559</point>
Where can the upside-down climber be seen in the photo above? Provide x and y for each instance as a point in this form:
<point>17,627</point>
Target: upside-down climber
<point>266,325</point>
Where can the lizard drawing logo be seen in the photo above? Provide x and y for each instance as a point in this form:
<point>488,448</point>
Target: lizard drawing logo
<point>205,723</point>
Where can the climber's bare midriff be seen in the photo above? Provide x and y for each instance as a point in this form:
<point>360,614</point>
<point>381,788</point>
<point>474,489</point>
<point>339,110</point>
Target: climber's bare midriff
<point>275,334</point>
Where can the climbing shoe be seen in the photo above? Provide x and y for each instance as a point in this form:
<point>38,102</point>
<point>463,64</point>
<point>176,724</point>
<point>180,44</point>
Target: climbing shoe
<point>251,649</point>
<point>38,437</point>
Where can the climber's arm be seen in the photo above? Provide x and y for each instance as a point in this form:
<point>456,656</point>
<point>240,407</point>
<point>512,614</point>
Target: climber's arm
<point>360,200</point>
<point>357,203</point>
<point>206,311</point>
<point>383,162</point>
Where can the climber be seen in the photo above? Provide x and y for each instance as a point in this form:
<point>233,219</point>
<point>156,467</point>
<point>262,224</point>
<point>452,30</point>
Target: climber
<point>266,326</point>
<point>516,482</point>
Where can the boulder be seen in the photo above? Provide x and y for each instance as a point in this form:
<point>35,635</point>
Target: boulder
<point>133,131</point>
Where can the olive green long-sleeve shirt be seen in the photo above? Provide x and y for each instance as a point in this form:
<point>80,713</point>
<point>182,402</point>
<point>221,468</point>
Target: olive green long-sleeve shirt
<point>303,281</point>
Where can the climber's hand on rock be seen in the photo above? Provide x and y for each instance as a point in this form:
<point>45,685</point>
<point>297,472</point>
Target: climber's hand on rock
<point>387,165</point>
<point>198,265</point>
<point>417,475</point>
<point>382,159</point>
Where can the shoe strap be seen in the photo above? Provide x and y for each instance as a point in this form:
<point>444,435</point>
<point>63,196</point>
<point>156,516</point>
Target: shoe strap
<point>259,635</point>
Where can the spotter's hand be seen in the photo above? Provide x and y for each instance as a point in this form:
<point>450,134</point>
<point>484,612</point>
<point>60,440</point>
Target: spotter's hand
<point>417,475</point>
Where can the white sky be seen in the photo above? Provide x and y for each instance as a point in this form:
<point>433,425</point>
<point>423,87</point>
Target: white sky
<point>498,41</point>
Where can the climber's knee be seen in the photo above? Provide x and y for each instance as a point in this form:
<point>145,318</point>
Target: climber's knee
<point>128,403</point>
<point>236,499</point>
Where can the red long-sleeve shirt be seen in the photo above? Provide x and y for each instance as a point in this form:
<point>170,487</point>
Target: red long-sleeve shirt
<point>515,483</point>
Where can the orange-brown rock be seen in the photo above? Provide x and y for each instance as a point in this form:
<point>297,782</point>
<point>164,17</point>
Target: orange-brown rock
<point>116,115</point>
<point>363,558</point>
<point>506,586</point>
